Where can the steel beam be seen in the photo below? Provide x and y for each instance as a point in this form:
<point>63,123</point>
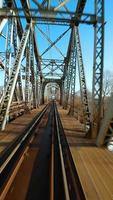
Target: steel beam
<point>7,98</point>
<point>37,87</point>
<point>32,68</point>
<point>66,60</point>
<point>15,43</point>
<point>2,24</point>
<point>83,88</point>
<point>69,71</point>
<point>73,80</point>
<point>98,67</point>
<point>27,75</point>
<point>26,7</point>
<point>53,44</point>
<point>79,11</point>
<point>88,19</point>
<point>8,50</point>
<point>48,39</point>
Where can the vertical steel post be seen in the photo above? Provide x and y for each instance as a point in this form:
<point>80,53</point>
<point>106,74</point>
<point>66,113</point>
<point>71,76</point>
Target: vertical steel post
<point>8,51</point>
<point>73,79</point>
<point>15,43</point>
<point>65,91</point>
<point>83,87</point>
<point>98,67</point>
<point>32,67</point>
<point>27,76</point>
<point>8,96</point>
<point>69,71</point>
<point>37,86</point>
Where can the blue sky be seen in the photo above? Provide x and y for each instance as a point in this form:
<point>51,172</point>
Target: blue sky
<point>87,40</point>
<point>86,34</point>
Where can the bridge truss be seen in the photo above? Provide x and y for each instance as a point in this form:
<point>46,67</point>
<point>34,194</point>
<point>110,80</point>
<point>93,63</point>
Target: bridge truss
<point>27,70</point>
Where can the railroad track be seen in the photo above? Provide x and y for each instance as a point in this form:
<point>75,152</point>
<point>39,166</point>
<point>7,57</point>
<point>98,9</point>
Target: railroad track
<point>54,175</point>
<point>11,159</point>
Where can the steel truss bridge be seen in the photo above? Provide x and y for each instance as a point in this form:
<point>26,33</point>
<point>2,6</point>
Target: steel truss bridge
<point>27,71</point>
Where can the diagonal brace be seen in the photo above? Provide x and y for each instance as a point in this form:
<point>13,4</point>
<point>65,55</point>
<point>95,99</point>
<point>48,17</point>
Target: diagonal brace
<point>55,41</point>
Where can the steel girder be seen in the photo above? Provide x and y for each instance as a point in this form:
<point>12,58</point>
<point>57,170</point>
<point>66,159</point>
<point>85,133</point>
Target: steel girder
<point>98,67</point>
<point>27,74</point>
<point>64,92</point>
<point>53,43</point>
<point>83,88</point>
<point>69,71</point>
<point>8,57</point>
<point>37,87</point>
<point>8,50</point>
<point>19,25</point>
<point>73,80</point>
<point>2,24</point>
<point>79,10</point>
<point>32,67</point>
<point>25,5</point>
<point>69,76</point>
<point>88,19</point>
<point>78,14</point>
<point>17,30</point>
<point>7,98</point>
<point>66,59</point>
<point>15,42</point>
<point>12,42</point>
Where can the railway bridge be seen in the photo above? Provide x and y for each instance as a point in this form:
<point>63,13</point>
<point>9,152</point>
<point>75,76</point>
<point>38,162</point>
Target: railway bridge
<point>56,120</point>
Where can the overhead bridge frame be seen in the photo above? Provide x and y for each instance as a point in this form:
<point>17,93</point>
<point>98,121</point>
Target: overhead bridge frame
<point>34,78</point>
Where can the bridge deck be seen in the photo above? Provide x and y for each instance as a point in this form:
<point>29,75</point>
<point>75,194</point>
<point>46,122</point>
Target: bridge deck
<point>15,128</point>
<point>94,165</point>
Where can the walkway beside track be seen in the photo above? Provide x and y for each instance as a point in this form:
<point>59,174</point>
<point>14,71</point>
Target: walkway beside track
<point>94,165</point>
<point>21,183</point>
<point>44,168</point>
<point>15,128</point>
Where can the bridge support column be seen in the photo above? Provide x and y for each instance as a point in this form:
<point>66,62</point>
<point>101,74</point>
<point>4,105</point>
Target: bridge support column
<point>73,77</point>
<point>42,89</point>
<point>32,66</point>
<point>67,81</point>
<point>61,93</point>
<point>37,87</point>
<point>27,77</point>
<point>65,100</point>
<point>98,67</point>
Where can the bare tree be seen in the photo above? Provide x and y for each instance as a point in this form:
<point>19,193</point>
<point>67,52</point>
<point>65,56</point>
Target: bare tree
<point>107,88</point>
<point>107,83</point>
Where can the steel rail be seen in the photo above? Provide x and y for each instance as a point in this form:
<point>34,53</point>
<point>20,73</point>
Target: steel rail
<point>67,196</point>
<point>10,153</point>
<point>10,166</point>
<point>72,185</point>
